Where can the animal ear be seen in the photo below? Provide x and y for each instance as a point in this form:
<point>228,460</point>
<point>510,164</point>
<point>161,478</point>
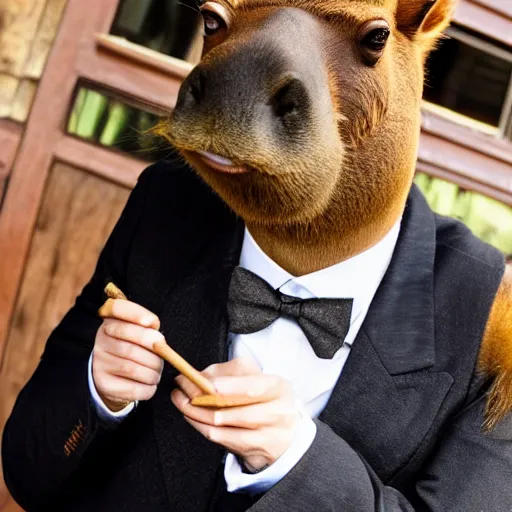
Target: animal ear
<point>424,19</point>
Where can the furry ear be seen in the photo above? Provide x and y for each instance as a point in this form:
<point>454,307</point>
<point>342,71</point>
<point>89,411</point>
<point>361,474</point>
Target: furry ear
<point>495,357</point>
<point>424,20</point>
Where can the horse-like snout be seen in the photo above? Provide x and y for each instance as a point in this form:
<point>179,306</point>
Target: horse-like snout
<point>264,88</point>
<point>254,90</point>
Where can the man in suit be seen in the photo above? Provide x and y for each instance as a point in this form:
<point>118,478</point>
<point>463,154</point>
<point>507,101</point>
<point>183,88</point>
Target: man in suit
<point>302,270</point>
<point>402,429</point>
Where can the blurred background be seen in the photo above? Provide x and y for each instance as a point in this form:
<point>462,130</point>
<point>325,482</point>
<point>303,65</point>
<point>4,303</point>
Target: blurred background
<point>82,81</point>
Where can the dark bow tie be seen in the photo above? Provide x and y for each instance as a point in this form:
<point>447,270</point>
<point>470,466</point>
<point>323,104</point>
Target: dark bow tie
<point>253,305</point>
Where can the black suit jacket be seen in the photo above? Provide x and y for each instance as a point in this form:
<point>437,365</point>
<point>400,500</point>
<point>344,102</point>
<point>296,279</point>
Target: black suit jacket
<point>401,432</point>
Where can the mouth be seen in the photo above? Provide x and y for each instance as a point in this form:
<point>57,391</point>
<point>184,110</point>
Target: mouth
<point>220,163</point>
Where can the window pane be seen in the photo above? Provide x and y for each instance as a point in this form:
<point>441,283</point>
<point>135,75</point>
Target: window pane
<point>172,27</point>
<point>487,218</point>
<point>468,80</point>
<point>108,121</point>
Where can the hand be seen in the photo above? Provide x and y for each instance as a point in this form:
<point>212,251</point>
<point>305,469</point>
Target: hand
<point>124,368</point>
<point>258,433</point>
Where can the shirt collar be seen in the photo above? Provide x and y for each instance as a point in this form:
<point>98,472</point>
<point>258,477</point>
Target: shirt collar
<point>357,278</point>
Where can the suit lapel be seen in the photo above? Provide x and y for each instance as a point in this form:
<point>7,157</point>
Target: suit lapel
<point>400,322</point>
<point>389,392</point>
<point>383,417</point>
<point>194,323</point>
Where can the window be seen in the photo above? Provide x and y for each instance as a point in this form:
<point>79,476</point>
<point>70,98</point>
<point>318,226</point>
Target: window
<point>471,76</point>
<point>103,119</point>
<point>172,27</point>
<point>466,139</point>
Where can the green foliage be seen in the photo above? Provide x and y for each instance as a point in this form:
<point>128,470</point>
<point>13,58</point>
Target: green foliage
<point>487,218</point>
<point>77,109</point>
<point>91,112</point>
<point>117,120</point>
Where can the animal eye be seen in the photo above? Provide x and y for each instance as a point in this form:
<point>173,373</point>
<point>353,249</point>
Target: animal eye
<point>213,22</point>
<point>376,39</point>
<point>372,40</point>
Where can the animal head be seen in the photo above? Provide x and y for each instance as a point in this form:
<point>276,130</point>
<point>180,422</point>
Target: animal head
<point>304,115</point>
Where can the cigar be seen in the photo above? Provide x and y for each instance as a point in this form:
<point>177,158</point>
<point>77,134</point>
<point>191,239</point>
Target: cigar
<point>113,292</point>
<point>221,401</point>
<point>171,356</point>
<point>161,348</point>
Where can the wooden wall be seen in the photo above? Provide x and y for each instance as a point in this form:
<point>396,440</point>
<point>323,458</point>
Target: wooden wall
<point>10,135</point>
<point>27,31</point>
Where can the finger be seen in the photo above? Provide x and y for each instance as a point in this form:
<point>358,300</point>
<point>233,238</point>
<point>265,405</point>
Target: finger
<point>129,312</point>
<point>264,386</point>
<point>239,366</point>
<point>226,436</point>
<point>211,416</point>
<point>201,414</point>
<point>188,387</point>
<point>119,367</point>
<point>239,441</point>
<point>285,413</point>
<point>132,352</point>
<point>123,330</point>
<point>236,367</point>
<point>119,389</point>
<point>282,413</point>
<point>258,388</point>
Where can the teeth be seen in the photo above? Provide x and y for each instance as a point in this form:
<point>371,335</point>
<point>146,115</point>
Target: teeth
<point>217,159</point>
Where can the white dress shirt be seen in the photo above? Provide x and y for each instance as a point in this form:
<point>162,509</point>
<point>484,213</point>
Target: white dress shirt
<point>283,349</point>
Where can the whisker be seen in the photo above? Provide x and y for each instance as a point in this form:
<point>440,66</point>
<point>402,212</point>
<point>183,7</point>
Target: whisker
<point>190,7</point>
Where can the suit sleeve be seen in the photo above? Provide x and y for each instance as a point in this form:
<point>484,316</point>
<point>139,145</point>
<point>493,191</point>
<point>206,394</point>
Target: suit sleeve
<point>54,421</point>
<point>470,471</point>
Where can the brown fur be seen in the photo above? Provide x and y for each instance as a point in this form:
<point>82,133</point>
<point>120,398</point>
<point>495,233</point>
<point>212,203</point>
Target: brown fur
<point>337,185</point>
<point>308,213</point>
<point>495,358</point>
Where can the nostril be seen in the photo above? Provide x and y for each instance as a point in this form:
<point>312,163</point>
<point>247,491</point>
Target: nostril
<point>289,98</point>
<point>197,86</point>
<point>284,103</point>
